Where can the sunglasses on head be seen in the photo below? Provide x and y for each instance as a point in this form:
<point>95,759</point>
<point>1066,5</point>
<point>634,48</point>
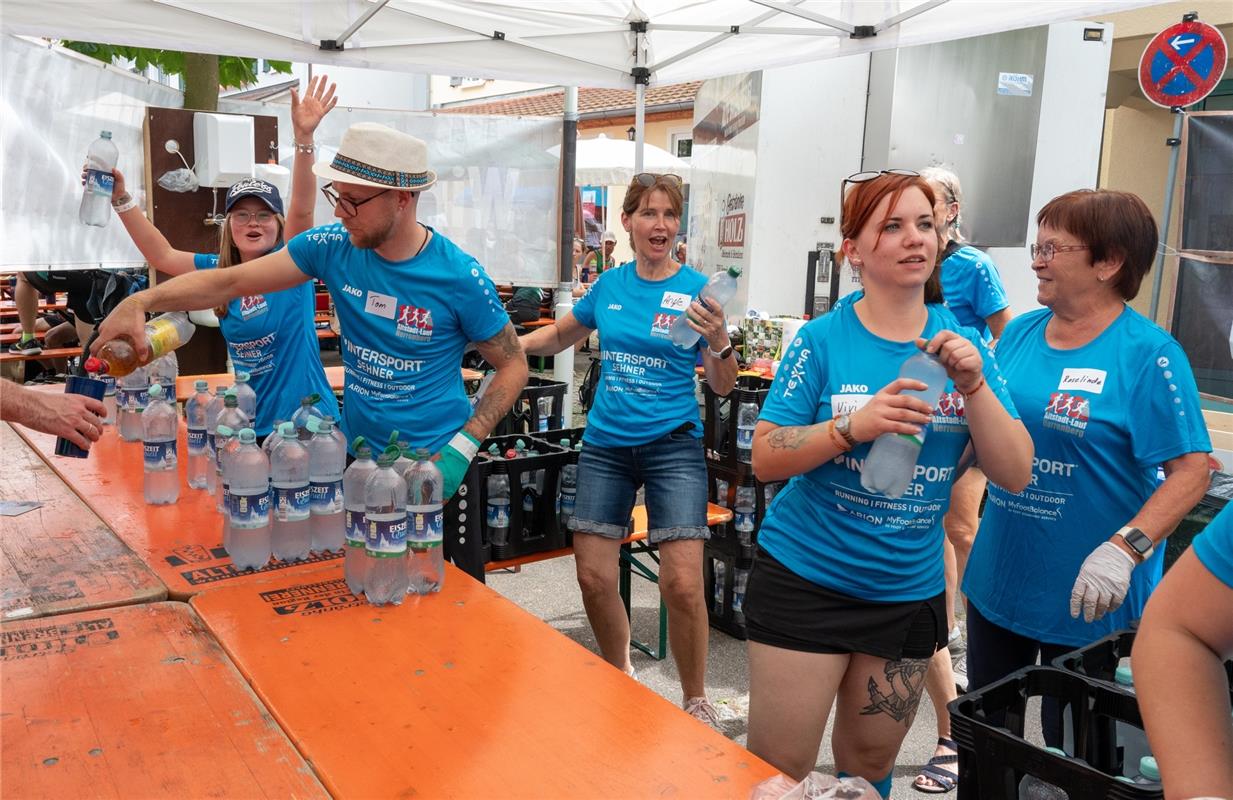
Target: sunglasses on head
<point>649,179</point>
<point>864,177</point>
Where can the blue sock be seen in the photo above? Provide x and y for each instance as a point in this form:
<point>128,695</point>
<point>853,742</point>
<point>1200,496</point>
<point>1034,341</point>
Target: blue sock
<point>883,786</point>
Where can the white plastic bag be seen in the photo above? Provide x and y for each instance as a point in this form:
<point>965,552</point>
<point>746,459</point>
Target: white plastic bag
<point>179,180</point>
<point>816,786</point>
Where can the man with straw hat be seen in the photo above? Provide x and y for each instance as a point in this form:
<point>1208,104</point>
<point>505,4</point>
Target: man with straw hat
<point>408,300</point>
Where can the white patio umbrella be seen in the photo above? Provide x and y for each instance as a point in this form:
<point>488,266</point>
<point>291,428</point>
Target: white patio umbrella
<point>610,162</point>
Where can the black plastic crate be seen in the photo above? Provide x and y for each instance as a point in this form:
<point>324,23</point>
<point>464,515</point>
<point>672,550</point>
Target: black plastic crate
<point>719,417</point>
<point>723,602</point>
<point>525,416</point>
<point>988,726</point>
<point>727,535</point>
<point>533,482</point>
<point>555,436</point>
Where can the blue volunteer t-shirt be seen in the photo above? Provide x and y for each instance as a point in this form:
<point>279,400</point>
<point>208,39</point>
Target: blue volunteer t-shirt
<point>405,325</point>
<point>1102,418</point>
<point>272,336</point>
<point>972,288</point>
<point>824,525</point>
<point>646,383</point>
<point>1214,546</point>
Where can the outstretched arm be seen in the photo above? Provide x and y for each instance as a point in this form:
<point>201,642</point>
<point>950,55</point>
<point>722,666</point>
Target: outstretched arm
<point>306,115</point>
<point>552,339</point>
<point>73,416</point>
<point>153,245</point>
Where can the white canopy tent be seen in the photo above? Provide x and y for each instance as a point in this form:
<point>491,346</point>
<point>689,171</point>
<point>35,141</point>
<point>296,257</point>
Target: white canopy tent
<point>610,162</point>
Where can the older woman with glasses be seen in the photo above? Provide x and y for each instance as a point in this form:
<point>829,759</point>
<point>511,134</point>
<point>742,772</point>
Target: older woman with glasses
<point>1109,399</point>
<point>845,602</point>
<point>271,336</point>
<point>644,430</point>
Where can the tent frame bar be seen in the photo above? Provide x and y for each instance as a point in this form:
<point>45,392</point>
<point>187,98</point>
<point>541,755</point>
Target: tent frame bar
<point>911,12</point>
<point>341,41</point>
<point>731,31</point>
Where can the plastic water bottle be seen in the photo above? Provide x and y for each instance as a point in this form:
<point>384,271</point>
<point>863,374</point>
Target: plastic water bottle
<point>891,463</point>
<point>1033,788</point>
<point>132,394</point>
<point>164,372</point>
<point>718,592</point>
<point>232,418</point>
<point>720,289</point>
<point>224,438</point>
<point>337,433</point>
<point>544,406</point>
<point>385,546</point>
<point>568,499</point>
<point>740,579</point>
<point>290,531</point>
<point>426,525</point>
<point>246,394</point>
<point>96,199</point>
<point>304,413</point>
<point>274,440</point>
<point>164,333</point>
<point>213,409</point>
<point>199,466</point>
<point>327,458</point>
<point>498,509</point>
<point>744,513</point>
<point>404,458</point>
<point>746,420</point>
<point>109,399</point>
<point>1148,774</point>
<point>721,492</point>
<point>355,563</point>
<point>1131,739</point>
<point>159,425</point>
<point>248,488</point>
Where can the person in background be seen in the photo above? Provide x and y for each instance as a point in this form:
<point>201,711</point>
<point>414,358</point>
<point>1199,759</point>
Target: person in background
<point>682,252</point>
<point>845,602</point>
<point>1109,399</point>
<point>644,431</point>
<point>270,335</point>
<point>972,290</point>
<point>524,305</point>
<point>601,259</point>
<point>408,299</point>
<point>72,416</point>
<point>1180,678</point>
<point>77,284</point>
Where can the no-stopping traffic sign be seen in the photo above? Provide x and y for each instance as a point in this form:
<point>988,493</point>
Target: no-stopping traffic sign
<point>1182,64</point>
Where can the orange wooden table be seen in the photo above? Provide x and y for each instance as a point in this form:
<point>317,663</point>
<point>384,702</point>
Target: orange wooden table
<point>181,542</point>
<point>60,557</point>
<point>460,695</point>
<point>184,383</point>
<point>135,702</point>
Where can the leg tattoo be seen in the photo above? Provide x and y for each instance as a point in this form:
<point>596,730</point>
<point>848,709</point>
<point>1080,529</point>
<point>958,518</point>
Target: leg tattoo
<point>906,680</point>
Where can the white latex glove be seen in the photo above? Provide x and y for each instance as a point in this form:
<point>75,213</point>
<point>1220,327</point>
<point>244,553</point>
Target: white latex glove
<point>1103,582</point>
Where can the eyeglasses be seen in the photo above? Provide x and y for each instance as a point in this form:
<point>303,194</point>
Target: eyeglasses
<point>349,207</point>
<point>245,217</point>
<point>1046,251</point>
<point>865,177</point>
<point>649,179</point>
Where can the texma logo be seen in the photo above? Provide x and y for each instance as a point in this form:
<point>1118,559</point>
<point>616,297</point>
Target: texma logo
<point>414,323</point>
<point>661,326</point>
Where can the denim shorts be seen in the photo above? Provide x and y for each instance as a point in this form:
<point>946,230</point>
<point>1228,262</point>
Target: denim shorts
<point>672,472</point>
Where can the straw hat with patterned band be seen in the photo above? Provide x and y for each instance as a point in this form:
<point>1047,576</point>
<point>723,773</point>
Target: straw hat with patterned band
<point>381,157</point>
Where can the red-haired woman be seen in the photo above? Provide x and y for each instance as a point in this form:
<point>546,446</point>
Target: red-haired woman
<point>845,604</point>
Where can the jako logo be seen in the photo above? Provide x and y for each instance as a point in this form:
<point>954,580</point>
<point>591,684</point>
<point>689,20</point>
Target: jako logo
<point>854,388</point>
<point>614,306</point>
<point>351,290</point>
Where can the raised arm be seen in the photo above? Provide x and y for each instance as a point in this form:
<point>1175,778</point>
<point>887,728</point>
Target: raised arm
<point>197,290</point>
<point>306,115</point>
<point>154,247</point>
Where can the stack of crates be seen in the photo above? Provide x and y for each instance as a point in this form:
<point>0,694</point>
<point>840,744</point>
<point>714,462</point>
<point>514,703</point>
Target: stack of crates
<point>731,483</point>
<point>539,408</point>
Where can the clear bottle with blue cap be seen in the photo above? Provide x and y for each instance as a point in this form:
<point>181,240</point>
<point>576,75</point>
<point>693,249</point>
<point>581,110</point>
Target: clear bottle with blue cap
<point>248,502</point>
<point>160,424</point>
<point>291,529</point>
<point>199,466</point>
<point>327,460</point>
<point>385,545</point>
<point>355,563</point>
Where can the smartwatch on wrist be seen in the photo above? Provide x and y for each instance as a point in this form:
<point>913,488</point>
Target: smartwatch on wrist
<point>722,354</point>
<point>1138,541</point>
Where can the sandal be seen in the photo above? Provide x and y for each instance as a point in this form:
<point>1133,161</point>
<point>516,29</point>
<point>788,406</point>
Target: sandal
<point>943,780</point>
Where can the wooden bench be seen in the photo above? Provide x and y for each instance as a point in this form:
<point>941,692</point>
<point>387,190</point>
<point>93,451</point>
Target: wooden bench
<point>48,352</point>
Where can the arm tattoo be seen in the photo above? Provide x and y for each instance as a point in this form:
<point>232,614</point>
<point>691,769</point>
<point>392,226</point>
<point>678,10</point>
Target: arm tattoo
<point>507,340</point>
<point>906,680</point>
<point>791,438</point>
<point>489,411</point>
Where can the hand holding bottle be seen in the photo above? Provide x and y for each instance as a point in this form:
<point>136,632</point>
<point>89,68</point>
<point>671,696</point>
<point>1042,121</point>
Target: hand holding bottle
<point>962,360</point>
<point>892,411</point>
<point>126,321</point>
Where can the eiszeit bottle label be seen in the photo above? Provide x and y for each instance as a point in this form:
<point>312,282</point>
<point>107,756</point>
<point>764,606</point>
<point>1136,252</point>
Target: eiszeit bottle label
<point>326,497</point>
<point>387,538</point>
<point>291,503</point>
<point>100,182</point>
<point>354,528</point>
<point>569,498</point>
<point>744,438</point>
<point>196,441</point>
<point>133,399</point>
<point>498,514</point>
<point>249,510</point>
<point>427,526</point>
<point>160,455</point>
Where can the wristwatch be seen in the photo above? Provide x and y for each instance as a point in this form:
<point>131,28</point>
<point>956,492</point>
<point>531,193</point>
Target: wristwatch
<point>1138,541</point>
<point>722,354</point>
<point>843,424</point>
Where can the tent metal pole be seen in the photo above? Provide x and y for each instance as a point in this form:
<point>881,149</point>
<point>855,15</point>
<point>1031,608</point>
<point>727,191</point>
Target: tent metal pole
<point>359,23</point>
<point>641,78</point>
<point>1175,144</point>
<point>563,364</point>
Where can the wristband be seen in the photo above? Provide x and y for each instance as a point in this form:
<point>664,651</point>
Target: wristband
<point>309,148</point>
<point>978,387</point>
<point>127,203</point>
<point>466,444</point>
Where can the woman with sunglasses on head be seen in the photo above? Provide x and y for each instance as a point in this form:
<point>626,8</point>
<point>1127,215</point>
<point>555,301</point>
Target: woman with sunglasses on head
<point>644,431</point>
<point>271,336</point>
<point>1109,398</point>
<point>845,602</point>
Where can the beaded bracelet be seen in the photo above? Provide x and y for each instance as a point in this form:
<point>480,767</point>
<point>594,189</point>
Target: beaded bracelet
<point>979,386</point>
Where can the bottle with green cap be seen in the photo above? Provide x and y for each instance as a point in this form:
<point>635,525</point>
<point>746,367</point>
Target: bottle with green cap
<point>1148,775</point>
<point>230,417</point>
<point>385,545</point>
<point>305,412</point>
<point>223,438</point>
<point>247,395</point>
<point>1033,788</point>
<point>426,524</point>
<point>248,502</point>
<point>159,424</point>
<point>1131,739</point>
<point>290,529</point>
<point>199,466</point>
<point>355,563</point>
<point>213,409</point>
